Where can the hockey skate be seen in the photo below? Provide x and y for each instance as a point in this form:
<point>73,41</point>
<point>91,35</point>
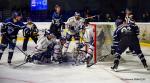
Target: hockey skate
<point>29,59</point>
<point>146,66</point>
<point>9,62</point>
<point>59,60</point>
<point>88,59</point>
<point>115,67</point>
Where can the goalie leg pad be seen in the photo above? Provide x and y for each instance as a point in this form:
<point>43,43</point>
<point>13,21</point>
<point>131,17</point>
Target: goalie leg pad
<point>65,47</point>
<point>57,52</point>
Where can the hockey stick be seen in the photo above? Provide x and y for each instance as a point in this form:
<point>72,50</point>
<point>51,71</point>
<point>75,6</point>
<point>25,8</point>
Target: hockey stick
<point>27,57</point>
<point>17,47</point>
<point>104,57</point>
<point>20,65</point>
<point>92,16</point>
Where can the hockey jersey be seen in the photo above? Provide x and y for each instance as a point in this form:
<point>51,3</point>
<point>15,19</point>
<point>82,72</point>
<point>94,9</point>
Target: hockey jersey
<point>88,35</point>
<point>11,28</point>
<point>124,30</point>
<point>43,43</point>
<point>30,30</point>
<point>74,24</point>
<point>57,19</point>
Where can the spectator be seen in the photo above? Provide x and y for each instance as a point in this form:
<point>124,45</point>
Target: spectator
<point>145,17</point>
<point>88,15</point>
<point>108,18</point>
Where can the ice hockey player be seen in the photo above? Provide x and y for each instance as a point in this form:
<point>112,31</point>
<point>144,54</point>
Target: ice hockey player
<point>47,46</point>
<point>57,50</point>
<point>88,42</point>
<point>118,22</point>
<point>128,19</point>
<point>9,31</point>
<point>30,31</point>
<point>123,33</point>
<point>73,25</point>
<point>57,22</point>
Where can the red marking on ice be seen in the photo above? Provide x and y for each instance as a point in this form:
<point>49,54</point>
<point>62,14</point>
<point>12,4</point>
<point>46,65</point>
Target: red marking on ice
<point>5,78</point>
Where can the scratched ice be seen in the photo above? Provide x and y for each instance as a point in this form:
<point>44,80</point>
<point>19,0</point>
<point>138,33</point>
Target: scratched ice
<point>129,72</point>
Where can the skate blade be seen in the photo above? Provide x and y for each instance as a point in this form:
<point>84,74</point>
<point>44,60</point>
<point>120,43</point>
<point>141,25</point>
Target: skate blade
<point>89,65</point>
<point>115,70</point>
<point>148,69</point>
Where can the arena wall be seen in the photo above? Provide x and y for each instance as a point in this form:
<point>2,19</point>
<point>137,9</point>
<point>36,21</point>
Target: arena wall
<point>104,31</point>
<point>144,28</point>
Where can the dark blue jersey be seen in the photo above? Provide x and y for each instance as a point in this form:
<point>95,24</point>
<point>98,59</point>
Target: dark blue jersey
<point>30,30</point>
<point>57,19</point>
<point>121,31</point>
<point>11,28</point>
<point>128,31</point>
<point>135,28</point>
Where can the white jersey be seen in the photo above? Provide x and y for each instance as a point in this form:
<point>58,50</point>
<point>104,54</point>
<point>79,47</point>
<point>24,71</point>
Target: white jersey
<point>89,34</point>
<point>73,22</point>
<point>43,43</point>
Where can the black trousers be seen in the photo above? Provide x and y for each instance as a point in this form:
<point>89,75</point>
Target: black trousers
<point>132,42</point>
<point>25,42</point>
<point>56,30</point>
<point>8,41</point>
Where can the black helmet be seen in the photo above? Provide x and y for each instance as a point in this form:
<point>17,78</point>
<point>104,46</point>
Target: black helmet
<point>119,22</point>
<point>15,14</point>
<point>86,21</point>
<point>29,19</point>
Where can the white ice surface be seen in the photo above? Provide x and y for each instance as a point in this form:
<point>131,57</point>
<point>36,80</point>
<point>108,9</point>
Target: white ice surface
<point>129,72</point>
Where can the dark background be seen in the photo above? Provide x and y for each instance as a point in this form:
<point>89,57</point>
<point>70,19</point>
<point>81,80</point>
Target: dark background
<point>97,7</point>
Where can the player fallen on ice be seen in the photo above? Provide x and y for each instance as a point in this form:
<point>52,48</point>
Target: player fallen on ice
<point>9,31</point>
<point>30,31</point>
<point>47,46</point>
<point>124,37</point>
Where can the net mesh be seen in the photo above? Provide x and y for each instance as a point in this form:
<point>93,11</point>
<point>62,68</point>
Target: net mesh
<point>103,42</point>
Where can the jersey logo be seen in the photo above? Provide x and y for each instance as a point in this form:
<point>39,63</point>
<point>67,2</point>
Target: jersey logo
<point>10,30</point>
<point>125,30</point>
<point>57,21</point>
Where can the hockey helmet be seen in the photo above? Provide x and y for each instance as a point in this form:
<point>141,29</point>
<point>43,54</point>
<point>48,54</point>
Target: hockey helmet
<point>77,14</point>
<point>15,14</point>
<point>131,18</point>
<point>118,22</point>
<point>47,32</point>
<point>29,19</point>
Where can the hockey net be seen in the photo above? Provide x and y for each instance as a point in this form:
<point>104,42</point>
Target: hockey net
<point>102,41</point>
<point>72,46</point>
